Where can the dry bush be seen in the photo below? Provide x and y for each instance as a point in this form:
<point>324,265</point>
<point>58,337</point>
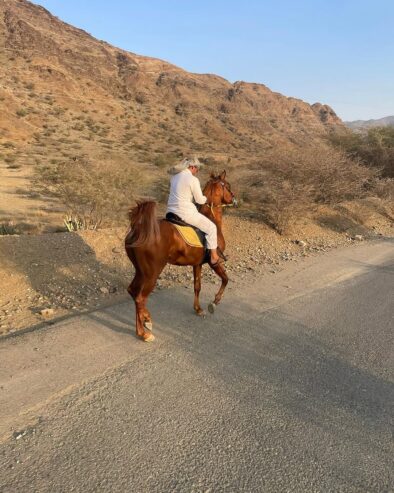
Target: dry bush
<point>375,147</point>
<point>285,187</point>
<point>8,227</point>
<point>385,189</point>
<point>163,160</point>
<point>94,196</point>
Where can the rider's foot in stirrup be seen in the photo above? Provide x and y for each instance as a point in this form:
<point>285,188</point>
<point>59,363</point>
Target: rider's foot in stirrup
<point>215,259</point>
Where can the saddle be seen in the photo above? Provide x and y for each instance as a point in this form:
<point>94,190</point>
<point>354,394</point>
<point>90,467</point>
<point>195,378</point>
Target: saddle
<point>196,237</point>
<point>192,235</point>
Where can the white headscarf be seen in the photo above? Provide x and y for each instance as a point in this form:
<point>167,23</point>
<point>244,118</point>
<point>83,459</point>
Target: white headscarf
<point>184,164</point>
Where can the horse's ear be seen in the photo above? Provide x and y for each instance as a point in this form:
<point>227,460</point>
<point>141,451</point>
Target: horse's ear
<point>223,175</point>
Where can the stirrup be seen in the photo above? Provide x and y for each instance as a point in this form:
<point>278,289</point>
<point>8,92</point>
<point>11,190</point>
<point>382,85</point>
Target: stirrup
<point>221,254</point>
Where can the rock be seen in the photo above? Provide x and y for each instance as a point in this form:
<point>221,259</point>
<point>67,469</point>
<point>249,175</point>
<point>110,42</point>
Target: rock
<point>19,434</point>
<point>104,290</point>
<point>358,238</point>
<point>47,312</point>
<point>116,250</point>
<point>300,243</point>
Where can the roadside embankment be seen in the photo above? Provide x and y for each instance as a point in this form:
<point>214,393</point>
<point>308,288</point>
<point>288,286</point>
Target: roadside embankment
<point>45,277</point>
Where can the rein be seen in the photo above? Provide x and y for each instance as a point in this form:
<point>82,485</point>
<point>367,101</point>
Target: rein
<point>212,205</point>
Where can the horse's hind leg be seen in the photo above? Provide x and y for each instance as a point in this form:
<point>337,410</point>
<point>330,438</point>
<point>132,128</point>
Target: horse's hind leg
<point>144,315</point>
<point>140,288</point>
<point>220,271</point>
<point>134,291</point>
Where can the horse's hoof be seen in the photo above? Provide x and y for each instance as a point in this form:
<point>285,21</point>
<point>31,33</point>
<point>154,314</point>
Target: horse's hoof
<point>148,337</point>
<point>148,325</point>
<point>201,313</point>
<point>211,307</point>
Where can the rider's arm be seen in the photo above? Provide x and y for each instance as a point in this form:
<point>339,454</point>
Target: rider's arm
<point>199,198</point>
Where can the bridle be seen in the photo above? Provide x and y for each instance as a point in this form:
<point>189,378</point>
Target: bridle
<point>212,206</point>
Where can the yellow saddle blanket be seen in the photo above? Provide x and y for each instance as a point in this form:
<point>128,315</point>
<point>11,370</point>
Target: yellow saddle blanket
<point>189,235</point>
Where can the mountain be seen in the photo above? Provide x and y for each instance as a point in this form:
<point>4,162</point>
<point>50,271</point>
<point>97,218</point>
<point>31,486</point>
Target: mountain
<point>362,124</point>
<point>66,96</point>
<point>51,71</point>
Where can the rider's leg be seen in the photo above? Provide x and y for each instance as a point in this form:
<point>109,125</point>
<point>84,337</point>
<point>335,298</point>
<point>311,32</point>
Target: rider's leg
<point>209,228</point>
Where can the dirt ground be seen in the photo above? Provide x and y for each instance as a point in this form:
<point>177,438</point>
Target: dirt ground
<point>44,277</point>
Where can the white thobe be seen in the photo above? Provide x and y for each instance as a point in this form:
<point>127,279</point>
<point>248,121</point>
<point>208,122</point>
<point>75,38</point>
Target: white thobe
<point>185,187</point>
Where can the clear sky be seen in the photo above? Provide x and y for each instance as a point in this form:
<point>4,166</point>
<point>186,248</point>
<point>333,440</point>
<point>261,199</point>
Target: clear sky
<point>338,52</point>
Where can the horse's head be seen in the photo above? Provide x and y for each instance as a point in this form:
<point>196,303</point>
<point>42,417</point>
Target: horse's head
<point>218,191</point>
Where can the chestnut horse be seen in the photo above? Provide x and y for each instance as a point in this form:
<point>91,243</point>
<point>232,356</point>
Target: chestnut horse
<point>151,244</point>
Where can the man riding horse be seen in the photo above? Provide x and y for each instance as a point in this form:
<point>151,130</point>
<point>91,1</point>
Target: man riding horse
<point>185,187</point>
<point>152,243</point>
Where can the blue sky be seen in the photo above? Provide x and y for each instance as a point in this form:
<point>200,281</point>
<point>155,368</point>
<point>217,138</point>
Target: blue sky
<point>338,52</point>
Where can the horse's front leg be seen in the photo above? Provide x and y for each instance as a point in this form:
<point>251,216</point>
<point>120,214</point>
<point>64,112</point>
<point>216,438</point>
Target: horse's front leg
<point>197,288</point>
<point>220,271</point>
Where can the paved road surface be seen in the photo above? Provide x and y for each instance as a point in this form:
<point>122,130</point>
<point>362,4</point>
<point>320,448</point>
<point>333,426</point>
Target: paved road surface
<point>288,387</point>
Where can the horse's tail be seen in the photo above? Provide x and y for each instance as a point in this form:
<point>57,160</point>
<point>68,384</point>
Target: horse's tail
<point>144,226</point>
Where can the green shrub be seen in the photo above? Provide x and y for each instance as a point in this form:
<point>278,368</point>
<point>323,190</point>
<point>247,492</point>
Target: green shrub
<point>22,112</point>
<point>375,147</point>
<point>8,228</point>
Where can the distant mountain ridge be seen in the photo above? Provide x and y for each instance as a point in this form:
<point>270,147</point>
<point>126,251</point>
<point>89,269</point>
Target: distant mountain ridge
<point>380,122</point>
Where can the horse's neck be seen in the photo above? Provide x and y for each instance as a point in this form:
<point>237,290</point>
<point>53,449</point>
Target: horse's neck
<point>215,214</point>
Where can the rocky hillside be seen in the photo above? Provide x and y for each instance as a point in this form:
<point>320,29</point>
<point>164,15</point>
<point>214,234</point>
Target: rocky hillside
<point>65,95</point>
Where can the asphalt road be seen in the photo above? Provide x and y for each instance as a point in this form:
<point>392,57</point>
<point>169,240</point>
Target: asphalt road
<point>287,388</point>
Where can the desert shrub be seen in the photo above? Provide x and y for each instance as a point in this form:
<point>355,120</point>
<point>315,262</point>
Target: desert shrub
<point>140,98</point>
<point>78,126</point>
<point>57,111</point>
<point>209,161</point>
<point>8,228</point>
<point>22,112</point>
<point>8,145</point>
<point>162,189</point>
<point>384,189</point>
<point>375,147</point>
<point>164,160</point>
<point>94,196</point>
<point>285,187</point>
